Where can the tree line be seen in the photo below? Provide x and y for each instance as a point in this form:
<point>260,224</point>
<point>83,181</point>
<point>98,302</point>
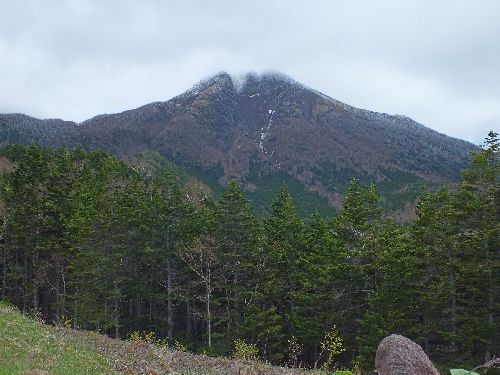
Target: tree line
<point>90,242</point>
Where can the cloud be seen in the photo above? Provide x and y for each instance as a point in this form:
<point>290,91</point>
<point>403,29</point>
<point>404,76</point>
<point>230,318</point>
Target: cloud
<point>438,62</point>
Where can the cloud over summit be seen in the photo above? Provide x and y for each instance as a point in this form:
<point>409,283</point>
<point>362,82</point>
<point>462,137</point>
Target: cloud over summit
<point>437,62</point>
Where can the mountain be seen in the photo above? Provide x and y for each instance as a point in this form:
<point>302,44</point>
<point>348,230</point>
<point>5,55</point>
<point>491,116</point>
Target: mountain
<point>265,129</point>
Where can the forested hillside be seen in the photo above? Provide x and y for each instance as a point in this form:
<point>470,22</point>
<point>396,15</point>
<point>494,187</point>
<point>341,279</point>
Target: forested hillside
<point>263,130</point>
<point>97,244</point>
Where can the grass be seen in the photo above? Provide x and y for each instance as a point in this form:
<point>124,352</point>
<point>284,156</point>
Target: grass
<point>30,347</point>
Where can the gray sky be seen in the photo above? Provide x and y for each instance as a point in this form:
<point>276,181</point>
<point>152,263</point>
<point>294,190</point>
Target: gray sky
<point>437,61</point>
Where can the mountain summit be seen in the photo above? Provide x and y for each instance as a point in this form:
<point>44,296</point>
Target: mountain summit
<point>262,128</point>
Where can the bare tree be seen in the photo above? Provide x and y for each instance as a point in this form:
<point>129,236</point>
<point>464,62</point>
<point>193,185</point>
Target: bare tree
<point>200,258</point>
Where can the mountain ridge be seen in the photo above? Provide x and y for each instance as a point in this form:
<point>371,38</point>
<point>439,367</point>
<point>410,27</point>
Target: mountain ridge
<point>254,126</point>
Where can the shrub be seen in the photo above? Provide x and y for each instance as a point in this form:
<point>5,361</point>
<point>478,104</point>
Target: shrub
<point>148,337</point>
<point>180,347</point>
<point>331,346</point>
<point>243,350</point>
<point>294,352</point>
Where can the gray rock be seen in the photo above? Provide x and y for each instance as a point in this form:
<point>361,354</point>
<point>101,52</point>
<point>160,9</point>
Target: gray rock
<point>397,355</point>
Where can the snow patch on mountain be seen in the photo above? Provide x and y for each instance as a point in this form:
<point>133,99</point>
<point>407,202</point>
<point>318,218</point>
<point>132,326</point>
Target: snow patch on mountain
<point>265,132</point>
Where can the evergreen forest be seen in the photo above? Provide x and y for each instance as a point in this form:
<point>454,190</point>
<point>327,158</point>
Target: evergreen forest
<point>90,242</point>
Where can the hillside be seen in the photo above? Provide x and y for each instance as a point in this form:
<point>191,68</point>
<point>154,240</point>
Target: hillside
<point>28,346</point>
<point>264,130</point>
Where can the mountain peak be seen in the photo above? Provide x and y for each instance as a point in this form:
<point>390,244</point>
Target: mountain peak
<point>248,81</point>
<point>269,79</point>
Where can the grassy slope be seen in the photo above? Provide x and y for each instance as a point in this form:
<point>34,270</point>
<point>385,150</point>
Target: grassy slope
<point>29,347</point>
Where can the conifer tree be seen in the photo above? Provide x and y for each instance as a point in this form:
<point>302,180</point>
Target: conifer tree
<point>355,228</point>
<point>237,240</point>
<point>475,210</point>
<point>282,259</point>
<point>319,287</point>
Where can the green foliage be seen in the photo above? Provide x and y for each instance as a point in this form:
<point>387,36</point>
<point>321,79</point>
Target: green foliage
<point>268,183</point>
<point>147,337</point>
<point>331,347</point>
<point>243,350</point>
<point>332,176</point>
<point>180,347</point>
<point>459,371</point>
<point>400,188</point>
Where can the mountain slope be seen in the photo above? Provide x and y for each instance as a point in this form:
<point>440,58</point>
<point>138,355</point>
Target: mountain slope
<point>266,128</point>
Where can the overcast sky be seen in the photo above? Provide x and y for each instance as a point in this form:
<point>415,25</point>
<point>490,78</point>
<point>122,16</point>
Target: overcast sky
<point>437,61</point>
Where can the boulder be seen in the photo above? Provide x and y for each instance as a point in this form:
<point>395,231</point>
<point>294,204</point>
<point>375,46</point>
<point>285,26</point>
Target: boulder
<point>397,355</point>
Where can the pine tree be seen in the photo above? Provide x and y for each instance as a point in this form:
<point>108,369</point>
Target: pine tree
<point>34,193</point>
<point>237,240</point>
<point>476,214</point>
<point>319,289</point>
<point>435,258</point>
<point>280,273</point>
<point>392,298</point>
<point>356,228</point>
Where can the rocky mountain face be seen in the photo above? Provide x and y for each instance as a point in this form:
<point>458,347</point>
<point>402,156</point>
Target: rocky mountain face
<point>265,129</point>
